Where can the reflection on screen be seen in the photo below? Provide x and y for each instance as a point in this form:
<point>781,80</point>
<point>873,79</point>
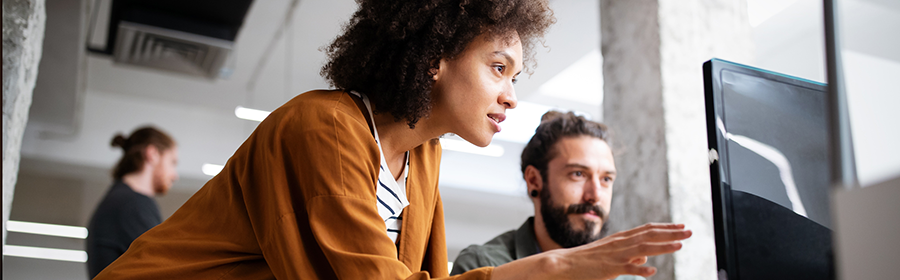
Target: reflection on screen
<point>777,143</point>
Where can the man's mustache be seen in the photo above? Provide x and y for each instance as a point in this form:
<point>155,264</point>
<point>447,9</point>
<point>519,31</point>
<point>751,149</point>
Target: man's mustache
<point>582,208</point>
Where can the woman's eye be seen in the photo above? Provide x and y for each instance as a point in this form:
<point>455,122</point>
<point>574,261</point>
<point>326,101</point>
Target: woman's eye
<point>515,80</point>
<point>499,68</point>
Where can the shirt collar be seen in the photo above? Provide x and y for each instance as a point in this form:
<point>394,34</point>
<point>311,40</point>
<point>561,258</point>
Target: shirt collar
<point>526,242</point>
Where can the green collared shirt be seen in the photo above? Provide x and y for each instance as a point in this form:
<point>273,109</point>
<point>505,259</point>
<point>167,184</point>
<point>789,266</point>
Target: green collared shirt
<point>507,247</point>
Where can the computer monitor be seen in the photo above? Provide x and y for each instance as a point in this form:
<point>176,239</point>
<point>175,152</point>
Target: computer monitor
<point>768,141</point>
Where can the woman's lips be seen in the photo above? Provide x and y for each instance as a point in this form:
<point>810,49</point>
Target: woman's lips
<point>496,119</point>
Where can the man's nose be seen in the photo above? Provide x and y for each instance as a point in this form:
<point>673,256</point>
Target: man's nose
<point>593,190</point>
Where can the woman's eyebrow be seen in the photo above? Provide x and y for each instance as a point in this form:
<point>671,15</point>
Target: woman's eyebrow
<point>509,59</point>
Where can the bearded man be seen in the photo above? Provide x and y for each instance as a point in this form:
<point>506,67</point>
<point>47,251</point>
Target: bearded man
<point>569,169</point>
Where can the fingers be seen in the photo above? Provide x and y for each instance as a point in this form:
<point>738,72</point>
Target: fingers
<point>652,249</point>
<point>650,236</point>
<point>645,271</point>
<point>662,235</point>
<point>638,261</point>
<point>649,226</point>
<point>637,255</point>
<point>626,251</point>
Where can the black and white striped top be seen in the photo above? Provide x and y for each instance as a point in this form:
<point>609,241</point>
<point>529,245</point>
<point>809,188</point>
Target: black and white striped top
<point>391,194</point>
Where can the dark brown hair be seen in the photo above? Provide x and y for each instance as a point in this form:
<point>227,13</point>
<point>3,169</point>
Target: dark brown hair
<point>133,158</point>
<point>389,48</point>
<point>555,126</point>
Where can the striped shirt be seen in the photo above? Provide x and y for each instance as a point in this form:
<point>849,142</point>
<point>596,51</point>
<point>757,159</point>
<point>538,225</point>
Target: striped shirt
<point>391,194</point>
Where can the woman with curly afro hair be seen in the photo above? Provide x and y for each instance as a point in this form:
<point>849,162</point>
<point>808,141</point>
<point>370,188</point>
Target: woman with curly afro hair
<point>343,184</point>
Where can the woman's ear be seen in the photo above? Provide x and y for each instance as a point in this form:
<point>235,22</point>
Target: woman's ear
<point>436,68</point>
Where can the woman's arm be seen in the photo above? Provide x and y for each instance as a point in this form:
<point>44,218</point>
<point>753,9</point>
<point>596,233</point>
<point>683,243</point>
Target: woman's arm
<point>622,253</point>
<point>311,199</point>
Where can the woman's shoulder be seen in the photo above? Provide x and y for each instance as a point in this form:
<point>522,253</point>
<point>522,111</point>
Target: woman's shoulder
<point>322,101</point>
<point>316,108</point>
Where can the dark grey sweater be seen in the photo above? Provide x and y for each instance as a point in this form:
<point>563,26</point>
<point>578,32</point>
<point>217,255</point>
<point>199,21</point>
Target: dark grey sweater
<point>121,217</point>
<point>507,247</point>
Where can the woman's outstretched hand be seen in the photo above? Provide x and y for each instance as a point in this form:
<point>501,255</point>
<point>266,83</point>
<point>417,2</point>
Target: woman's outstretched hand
<point>623,253</point>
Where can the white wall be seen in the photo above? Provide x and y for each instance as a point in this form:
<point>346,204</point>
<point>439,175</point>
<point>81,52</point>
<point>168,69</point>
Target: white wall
<point>792,42</point>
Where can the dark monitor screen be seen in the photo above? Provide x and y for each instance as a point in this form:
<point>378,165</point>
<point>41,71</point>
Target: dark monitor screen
<point>769,135</point>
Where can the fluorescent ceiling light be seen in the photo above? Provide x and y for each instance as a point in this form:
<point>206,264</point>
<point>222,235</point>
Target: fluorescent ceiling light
<point>759,11</point>
<point>250,114</point>
<point>211,169</point>
<point>45,253</point>
<point>47,229</point>
<point>492,150</point>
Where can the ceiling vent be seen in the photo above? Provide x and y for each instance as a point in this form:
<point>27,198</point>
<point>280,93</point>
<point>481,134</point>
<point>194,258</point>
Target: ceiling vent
<point>172,50</point>
<point>194,37</point>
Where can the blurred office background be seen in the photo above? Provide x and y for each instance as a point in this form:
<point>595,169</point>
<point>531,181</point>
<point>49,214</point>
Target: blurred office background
<point>81,99</point>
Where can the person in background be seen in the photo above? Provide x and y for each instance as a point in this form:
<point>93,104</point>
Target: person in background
<point>343,183</point>
<point>146,169</point>
<point>569,169</point>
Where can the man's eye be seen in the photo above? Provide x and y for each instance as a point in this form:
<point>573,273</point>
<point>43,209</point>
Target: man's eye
<point>515,80</point>
<point>577,174</point>
<point>500,68</point>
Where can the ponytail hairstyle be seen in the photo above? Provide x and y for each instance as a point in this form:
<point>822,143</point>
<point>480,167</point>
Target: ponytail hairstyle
<point>133,158</point>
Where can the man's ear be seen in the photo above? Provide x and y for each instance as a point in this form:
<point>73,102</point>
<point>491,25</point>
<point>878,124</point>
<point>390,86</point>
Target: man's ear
<point>533,180</point>
<point>151,154</point>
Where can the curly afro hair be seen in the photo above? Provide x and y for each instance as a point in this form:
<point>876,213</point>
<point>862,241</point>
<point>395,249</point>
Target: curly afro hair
<point>389,48</point>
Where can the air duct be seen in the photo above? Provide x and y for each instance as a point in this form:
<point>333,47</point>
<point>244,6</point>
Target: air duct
<point>166,49</point>
<point>189,37</point>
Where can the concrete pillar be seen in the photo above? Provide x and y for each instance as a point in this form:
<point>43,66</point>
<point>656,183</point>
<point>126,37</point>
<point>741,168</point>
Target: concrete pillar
<point>23,36</point>
<point>654,104</point>
<point>633,109</point>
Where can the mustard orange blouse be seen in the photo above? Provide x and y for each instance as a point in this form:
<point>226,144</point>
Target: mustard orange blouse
<point>297,201</point>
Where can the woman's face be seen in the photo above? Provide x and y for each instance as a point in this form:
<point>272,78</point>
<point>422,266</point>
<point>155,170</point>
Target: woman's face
<point>474,89</point>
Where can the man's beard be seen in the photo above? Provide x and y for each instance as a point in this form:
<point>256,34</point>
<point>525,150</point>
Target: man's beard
<point>560,228</point>
<point>159,182</point>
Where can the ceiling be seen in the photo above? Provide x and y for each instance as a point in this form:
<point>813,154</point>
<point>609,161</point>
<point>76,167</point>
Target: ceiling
<point>272,66</point>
